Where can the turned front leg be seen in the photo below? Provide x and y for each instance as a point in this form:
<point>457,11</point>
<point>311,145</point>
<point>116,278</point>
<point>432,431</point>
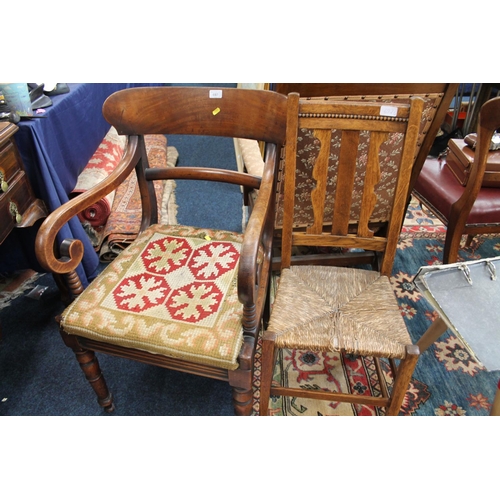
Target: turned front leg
<point>92,371</point>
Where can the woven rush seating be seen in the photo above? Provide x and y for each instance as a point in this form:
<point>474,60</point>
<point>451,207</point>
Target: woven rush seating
<point>349,310</point>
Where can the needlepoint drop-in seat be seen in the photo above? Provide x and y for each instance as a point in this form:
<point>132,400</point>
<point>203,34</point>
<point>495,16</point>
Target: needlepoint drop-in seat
<point>153,282</point>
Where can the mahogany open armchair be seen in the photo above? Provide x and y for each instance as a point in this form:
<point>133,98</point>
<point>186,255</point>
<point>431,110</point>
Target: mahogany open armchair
<point>324,308</point>
<point>184,298</point>
<point>465,210</point>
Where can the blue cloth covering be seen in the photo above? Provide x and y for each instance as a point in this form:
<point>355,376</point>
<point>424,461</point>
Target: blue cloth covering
<point>56,148</point>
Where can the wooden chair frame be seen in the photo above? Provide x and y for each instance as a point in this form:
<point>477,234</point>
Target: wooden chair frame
<point>350,117</point>
<point>439,94</point>
<point>253,114</point>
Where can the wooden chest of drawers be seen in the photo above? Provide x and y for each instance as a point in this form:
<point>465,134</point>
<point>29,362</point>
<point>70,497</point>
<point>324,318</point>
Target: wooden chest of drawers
<point>18,205</point>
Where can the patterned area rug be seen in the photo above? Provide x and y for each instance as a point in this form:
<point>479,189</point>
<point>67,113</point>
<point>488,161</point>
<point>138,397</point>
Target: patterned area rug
<point>124,221</point>
<point>101,165</point>
<point>421,222</point>
<point>448,380</point>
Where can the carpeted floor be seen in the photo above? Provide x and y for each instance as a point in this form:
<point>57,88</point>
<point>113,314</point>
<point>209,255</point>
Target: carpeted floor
<point>39,375</point>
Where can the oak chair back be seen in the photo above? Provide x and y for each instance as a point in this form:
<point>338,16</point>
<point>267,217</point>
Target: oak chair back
<point>350,149</point>
<point>436,96</point>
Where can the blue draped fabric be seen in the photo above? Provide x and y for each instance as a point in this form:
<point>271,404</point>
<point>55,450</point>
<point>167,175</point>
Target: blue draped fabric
<point>56,147</point>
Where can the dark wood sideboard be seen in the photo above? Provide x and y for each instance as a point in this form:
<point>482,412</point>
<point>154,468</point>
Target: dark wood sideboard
<point>18,205</point>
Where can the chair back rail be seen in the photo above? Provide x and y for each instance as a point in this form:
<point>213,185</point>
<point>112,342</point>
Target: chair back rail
<point>209,111</point>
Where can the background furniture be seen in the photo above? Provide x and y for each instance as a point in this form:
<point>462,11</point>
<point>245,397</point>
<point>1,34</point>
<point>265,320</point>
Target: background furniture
<point>18,205</point>
<point>182,298</point>
<point>339,309</point>
<point>470,209</point>
<point>54,149</point>
<point>17,239</point>
<point>467,103</point>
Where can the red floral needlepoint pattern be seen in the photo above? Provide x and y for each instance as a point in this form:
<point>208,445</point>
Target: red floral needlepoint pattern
<point>141,292</point>
<point>173,291</point>
<point>192,295</point>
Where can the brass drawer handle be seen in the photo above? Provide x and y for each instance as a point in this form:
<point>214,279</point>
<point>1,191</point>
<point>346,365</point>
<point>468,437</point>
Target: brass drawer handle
<point>4,185</point>
<point>15,212</point>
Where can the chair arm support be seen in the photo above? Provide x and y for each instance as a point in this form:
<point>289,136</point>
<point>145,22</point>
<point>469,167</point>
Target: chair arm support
<point>204,174</point>
<point>252,277</point>
<point>71,251</point>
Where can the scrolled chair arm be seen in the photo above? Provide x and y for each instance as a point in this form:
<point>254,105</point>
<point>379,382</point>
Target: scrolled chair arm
<point>71,251</point>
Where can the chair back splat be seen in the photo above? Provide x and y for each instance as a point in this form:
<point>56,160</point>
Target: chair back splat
<point>354,135</point>
<point>350,147</point>
<point>185,298</point>
<point>437,98</point>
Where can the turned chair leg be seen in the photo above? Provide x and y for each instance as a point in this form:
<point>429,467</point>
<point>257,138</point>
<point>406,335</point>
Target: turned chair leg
<point>92,371</point>
<point>242,402</point>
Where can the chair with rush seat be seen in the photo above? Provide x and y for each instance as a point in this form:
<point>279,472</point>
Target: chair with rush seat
<point>338,309</point>
<point>184,298</point>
